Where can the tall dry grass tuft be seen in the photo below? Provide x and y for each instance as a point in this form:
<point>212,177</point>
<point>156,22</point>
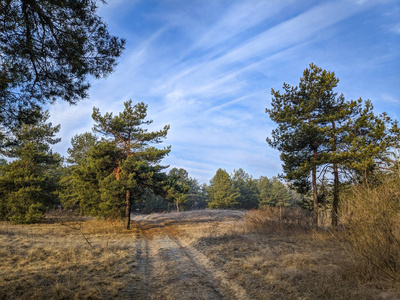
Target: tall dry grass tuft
<point>372,214</point>
<point>273,219</point>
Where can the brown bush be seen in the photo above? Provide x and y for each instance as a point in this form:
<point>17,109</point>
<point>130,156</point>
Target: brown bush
<point>372,216</point>
<point>272,219</point>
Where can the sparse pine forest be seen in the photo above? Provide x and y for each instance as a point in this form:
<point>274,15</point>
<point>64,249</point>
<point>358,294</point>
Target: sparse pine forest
<point>112,220</point>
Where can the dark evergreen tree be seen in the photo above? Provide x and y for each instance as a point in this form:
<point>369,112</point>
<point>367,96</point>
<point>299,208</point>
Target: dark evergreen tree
<point>177,187</point>
<point>276,194</point>
<point>28,184</point>
<point>222,192</point>
<point>138,168</point>
<point>369,141</point>
<point>48,50</point>
<point>78,158</point>
<point>319,131</point>
<point>81,186</point>
<point>196,196</point>
<point>302,120</point>
<point>81,144</point>
<point>248,189</point>
<point>265,189</point>
<point>280,194</point>
<point>151,203</point>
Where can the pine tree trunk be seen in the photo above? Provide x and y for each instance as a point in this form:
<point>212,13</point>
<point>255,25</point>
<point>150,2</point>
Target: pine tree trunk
<point>177,206</point>
<point>128,210</point>
<point>315,194</point>
<point>335,202</point>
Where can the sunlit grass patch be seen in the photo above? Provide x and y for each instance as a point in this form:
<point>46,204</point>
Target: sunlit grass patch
<point>54,261</point>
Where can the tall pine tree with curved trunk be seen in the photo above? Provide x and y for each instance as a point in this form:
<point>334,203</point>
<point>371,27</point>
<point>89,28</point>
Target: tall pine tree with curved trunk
<point>302,124</point>
<point>138,168</point>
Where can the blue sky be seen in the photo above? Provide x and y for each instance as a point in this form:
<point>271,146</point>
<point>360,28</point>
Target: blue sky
<point>207,67</point>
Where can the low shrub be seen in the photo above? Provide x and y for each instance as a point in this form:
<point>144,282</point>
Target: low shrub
<point>372,215</point>
<point>272,219</point>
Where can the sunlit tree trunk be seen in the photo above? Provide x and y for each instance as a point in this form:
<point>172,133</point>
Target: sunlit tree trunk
<point>315,194</point>
<point>128,210</point>
<point>335,202</point>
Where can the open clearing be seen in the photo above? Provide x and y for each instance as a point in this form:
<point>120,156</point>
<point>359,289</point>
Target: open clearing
<point>190,255</point>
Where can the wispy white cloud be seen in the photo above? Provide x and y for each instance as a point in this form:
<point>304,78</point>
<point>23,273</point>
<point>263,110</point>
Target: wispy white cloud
<point>240,17</point>
<point>206,69</point>
<point>214,73</point>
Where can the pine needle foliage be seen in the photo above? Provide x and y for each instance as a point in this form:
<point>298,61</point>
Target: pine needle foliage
<point>29,183</point>
<point>48,51</point>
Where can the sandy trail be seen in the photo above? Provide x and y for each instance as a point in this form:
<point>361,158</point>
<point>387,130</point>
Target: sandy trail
<point>173,269</point>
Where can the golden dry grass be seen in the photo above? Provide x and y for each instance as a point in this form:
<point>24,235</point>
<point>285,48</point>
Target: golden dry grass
<point>283,261</point>
<point>54,261</point>
<point>190,255</point>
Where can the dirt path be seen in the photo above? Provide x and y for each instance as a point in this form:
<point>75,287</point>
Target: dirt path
<point>172,269</point>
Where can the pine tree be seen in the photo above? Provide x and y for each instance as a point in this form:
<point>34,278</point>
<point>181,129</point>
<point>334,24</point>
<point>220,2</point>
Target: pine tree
<point>222,192</point>
<point>265,187</point>
<point>196,197</point>
<point>82,184</point>
<point>370,141</point>
<point>28,185</point>
<point>138,168</point>
<point>277,194</point>
<point>48,50</point>
<point>280,194</point>
<point>302,120</point>
<point>319,131</point>
<point>177,187</point>
<point>247,188</point>
<point>81,144</point>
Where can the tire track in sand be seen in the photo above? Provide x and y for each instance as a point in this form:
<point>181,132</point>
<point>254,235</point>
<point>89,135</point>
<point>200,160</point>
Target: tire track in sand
<point>173,269</point>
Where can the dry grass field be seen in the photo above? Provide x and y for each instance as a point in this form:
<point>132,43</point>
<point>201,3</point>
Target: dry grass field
<point>189,255</point>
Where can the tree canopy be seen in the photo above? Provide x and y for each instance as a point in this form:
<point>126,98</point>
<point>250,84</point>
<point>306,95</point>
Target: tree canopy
<point>248,189</point>
<point>222,192</point>
<point>28,185</point>
<point>319,131</point>
<point>48,51</point>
